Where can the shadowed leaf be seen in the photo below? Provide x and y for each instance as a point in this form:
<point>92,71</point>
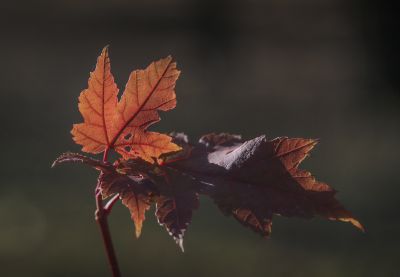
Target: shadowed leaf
<point>251,180</point>
<point>175,205</point>
<point>255,179</point>
<point>135,192</point>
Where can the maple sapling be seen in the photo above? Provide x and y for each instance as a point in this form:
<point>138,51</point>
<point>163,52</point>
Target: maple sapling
<point>252,180</point>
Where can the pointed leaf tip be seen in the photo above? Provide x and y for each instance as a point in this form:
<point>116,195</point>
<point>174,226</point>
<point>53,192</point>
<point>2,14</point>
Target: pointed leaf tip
<point>138,229</point>
<point>180,244</point>
<point>357,224</point>
<point>104,51</point>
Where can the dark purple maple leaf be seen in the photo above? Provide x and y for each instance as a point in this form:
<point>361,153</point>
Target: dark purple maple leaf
<point>251,180</point>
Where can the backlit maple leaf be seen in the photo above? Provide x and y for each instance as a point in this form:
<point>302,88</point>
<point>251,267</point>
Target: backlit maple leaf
<point>122,125</point>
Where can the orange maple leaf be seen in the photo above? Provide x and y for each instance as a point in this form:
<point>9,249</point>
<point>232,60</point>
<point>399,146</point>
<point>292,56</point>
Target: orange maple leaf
<point>121,125</point>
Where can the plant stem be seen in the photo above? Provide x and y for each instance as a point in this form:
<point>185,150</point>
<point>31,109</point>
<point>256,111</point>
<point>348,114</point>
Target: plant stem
<point>101,215</point>
<point>101,218</point>
<point>105,156</point>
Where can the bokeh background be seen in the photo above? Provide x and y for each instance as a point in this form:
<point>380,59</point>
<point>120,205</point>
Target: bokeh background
<point>323,69</point>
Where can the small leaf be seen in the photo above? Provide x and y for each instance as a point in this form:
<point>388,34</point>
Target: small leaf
<point>135,192</point>
<point>138,202</point>
<point>175,205</point>
<point>70,157</point>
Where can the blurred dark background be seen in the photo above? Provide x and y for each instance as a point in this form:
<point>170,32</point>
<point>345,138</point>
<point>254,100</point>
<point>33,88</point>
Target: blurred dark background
<point>324,69</point>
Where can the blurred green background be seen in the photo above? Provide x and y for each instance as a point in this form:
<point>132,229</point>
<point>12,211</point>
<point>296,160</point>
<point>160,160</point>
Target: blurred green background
<point>323,69</point>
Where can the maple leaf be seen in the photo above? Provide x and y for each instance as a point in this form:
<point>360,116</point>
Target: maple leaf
<point>250,180</point>
<point>134,192</point>
<point>253,180</point>
<point>122,125</point>
<point>176,203</point>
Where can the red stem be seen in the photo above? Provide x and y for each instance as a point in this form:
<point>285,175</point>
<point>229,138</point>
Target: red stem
<point>105,156</point>
<point>101,218</point>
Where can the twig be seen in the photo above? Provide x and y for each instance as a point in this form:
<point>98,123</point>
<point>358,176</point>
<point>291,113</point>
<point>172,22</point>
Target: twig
<point>101,216</point>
